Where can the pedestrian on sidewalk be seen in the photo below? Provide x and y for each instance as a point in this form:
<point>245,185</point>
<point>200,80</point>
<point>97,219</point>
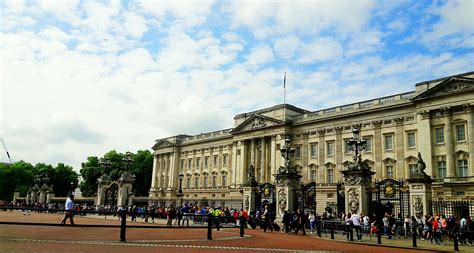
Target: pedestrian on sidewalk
<point>69,210</point>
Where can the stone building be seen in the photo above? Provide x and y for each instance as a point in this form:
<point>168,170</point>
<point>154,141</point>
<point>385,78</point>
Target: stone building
<point>436,119</point>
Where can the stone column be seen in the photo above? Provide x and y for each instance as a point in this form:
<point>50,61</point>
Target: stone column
<point>263,161</point>
<point>243,163</point>
<point>356,183</point>
<point>321,155</point>
<point>252,153</point>
<point>424,137</point>
<point>420,197</point>
<point>448,138</point>
<point>233,178</point>
<point>401,169</point>
<point>16,195</point>
<point>273,154</point>
<point>377,149</point>
<point>155,168</point>
<point>338,155</point>
<point>470,136</point>
<point>304,157</point>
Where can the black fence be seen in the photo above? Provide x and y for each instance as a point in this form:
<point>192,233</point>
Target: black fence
<point>458,208</point>
<point>192,221</point>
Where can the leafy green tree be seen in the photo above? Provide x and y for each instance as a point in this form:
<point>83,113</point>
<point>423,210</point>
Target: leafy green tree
<point>141,166</point>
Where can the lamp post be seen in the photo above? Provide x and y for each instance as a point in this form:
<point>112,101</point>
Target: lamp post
<point>105,164</point>
<point>287,152</point>
<point>180,190</point>
<point>72,188</point>
<point>128,160</point>
<point>358,143</point>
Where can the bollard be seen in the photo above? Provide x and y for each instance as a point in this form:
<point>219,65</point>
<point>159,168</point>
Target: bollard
<point>413,236</point>
<point>332,230</point>
<point>242,220</point>
<point>379,234</point>
<point>455,238</point>
<point>123,224</point>
<point>209,227</point>
<point>319,228</point>
<point>351,233</point>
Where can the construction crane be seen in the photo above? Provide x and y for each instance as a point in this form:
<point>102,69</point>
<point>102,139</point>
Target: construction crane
<point>6,150</point>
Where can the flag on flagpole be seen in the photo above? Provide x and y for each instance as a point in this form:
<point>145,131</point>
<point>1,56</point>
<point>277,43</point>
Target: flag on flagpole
<point>284,81</point>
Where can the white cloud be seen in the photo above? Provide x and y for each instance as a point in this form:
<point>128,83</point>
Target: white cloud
<point>321,49</point>
<point>260,55</point>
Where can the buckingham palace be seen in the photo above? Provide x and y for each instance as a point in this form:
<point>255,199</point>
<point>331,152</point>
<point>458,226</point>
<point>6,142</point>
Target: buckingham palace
<point>436,119</point>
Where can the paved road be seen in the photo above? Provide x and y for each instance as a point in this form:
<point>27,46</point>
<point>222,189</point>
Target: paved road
<point>15,238</point>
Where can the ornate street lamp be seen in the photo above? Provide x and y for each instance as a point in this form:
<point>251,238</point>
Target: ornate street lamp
<point>287,152</point>
<point>105,164</point>
<point>180,194</point>
<point>357,143</point>
<point>72,188</point>
<point>128,160</point>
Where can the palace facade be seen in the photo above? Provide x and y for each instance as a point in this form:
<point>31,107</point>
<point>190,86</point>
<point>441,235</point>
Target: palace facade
<point>436,119</point>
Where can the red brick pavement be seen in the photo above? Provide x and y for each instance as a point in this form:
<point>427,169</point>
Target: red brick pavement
<point>14,238</point>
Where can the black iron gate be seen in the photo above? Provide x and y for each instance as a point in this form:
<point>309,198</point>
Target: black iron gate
<point>306,198</point>
<point>341,199</point>
<point>266,196</point>
<point>392,196</point>
<point>111,195</point>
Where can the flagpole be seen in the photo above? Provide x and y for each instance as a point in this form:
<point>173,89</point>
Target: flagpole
<point>284,89</point>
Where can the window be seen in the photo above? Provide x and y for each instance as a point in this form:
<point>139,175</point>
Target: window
<point>206,161</point>
<point>412,167</point>
<point>347,147</point>
<point>190,163</point>
<point>462,168</point>
<point>368,144</point>
<point>298,152</point>
<point>441,169</point>
<point>388,142</point>
<point>181,164</point>
<point>411,140</point>
<point>330,148</point>
<point>196,181</point>
<point>224,180</point>
<point>215,161</point>
<point>188,182</point>
<point>389,171</point>
<point>314,150</point>
<point>206,178</point>
<point>439,134</point>
<point>460,194</point>
<point>313,176</point>
<point>197,162</point>
<point>214,181</point>
<point>330,176</point>
<point>224,160</point>
<point>460,133</point>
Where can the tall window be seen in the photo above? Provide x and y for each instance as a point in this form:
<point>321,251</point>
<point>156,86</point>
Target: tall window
<point>314,150</point>
<point>196,181</point>
<point>313,175</point>
<point>412,167</point>
<point>198,160</point>
<point>347,147</point>
<point>388,142</point>
<point>330,175</point>
<point>441,169</point>
<point>460,133</point>
<point>330,148</point>
<point>462,168</point>
<point>411,140</point>
<point>181,164</point>
<point>190,163</point>
<point>439,134</point>
<point>298,151</point>
<point>206,161</point>
<point>224,160</point>
<point>214,181</point>
<point>224,180</point>
<point>206,178</point>
<point>215,161</point>
<point>368,144</point>
<point>188,182</point>
<point>389,171</point>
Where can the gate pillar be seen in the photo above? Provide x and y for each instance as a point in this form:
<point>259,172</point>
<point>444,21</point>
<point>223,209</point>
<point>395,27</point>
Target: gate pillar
<point>125,188</point>
<point>104,182</point>
<point>420,190</point>
<point>250,198</point>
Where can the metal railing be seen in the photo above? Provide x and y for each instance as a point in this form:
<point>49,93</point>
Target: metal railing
<point>199,221</point>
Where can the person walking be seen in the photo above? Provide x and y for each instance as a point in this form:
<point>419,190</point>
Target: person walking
<point>357,226</point>
<point>312,222</point>
<point>69,208</point>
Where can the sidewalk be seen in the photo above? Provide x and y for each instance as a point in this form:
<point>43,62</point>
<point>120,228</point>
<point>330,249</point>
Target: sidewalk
<point>400,243</point>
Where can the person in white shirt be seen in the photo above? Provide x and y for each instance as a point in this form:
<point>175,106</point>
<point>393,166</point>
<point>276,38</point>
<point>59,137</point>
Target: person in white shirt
<point>312,221</point>
<point>69,208</point>
<point>366,223</point>
<point>356,223</point>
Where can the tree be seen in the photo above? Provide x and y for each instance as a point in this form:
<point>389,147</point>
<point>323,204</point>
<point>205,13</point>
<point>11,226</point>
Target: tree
<point>141,167</point>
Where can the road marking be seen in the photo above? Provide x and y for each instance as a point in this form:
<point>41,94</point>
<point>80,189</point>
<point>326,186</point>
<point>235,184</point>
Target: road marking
<point>141,244</point>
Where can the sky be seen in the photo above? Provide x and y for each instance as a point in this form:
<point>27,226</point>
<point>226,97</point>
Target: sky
<point>80,78</point>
